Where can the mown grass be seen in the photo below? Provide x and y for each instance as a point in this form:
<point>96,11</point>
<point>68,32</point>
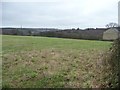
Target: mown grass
<point>52,62</point>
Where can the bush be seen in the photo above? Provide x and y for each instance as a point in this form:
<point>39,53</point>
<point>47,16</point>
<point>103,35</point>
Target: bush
<point>112,66</point>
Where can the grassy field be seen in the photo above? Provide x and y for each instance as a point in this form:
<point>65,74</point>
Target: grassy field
<point>38,62</point>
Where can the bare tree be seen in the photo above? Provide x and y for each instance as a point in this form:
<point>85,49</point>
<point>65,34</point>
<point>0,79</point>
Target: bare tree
<point>78,29</point>
<point>111,25</point>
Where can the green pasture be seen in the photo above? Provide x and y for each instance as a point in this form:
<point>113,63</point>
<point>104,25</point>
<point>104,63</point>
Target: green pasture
<point>36,62</point>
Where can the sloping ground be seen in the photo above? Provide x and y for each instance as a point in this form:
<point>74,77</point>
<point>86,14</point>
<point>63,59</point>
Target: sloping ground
<point>51,62</point>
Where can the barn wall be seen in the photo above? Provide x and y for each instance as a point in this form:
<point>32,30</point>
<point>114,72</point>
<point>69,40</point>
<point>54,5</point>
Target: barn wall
<point>110,34</point>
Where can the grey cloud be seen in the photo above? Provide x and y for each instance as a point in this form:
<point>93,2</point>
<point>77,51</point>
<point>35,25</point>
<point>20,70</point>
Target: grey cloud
<point>54,14</point>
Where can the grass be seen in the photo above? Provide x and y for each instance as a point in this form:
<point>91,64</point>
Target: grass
<point>16,43</point>
<point>52,62</point>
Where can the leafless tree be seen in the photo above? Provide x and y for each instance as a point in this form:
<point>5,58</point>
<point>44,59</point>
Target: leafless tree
<point>111,25</point>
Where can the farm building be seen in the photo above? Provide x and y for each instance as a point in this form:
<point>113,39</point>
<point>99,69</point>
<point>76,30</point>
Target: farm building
<point>111,34</point>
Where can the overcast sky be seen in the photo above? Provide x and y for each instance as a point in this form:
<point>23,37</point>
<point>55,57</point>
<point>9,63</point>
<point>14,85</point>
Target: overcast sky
<point>59,13</point>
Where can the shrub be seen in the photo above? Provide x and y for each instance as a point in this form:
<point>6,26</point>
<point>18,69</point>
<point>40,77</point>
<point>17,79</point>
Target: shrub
<point>112,66</point>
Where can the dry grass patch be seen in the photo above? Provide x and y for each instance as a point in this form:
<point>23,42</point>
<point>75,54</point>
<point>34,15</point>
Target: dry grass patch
<point>44,68</point>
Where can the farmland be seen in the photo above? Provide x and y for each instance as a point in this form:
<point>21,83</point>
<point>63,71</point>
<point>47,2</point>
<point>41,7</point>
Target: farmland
<point>36,62</point>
